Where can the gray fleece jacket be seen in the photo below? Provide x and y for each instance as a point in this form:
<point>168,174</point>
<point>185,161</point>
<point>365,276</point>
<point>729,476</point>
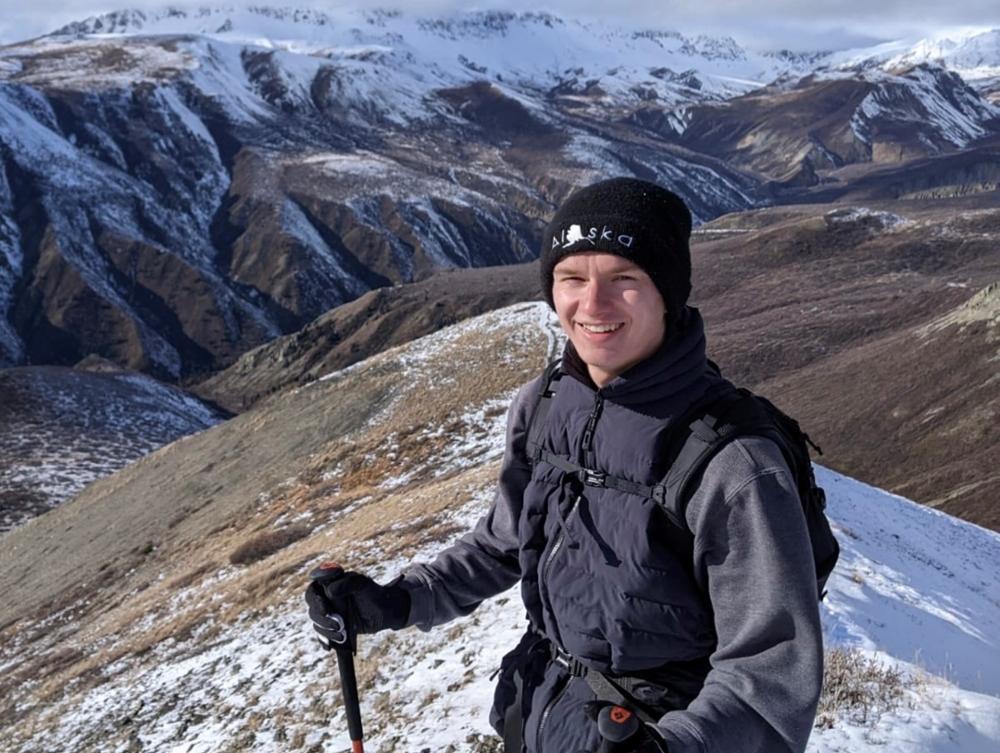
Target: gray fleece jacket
<point>599,579</point>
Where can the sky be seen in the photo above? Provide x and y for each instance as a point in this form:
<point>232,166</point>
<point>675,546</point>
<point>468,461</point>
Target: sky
<point>760,24</point>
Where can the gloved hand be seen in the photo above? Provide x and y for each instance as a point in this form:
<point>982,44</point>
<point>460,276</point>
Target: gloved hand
<point>621,731</point>
<point>363,605</point>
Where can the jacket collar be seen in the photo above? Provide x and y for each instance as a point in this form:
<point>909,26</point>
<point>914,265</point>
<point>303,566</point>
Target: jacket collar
<point>677,365</point>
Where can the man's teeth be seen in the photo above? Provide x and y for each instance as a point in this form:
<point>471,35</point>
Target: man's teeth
<point>601,327</point>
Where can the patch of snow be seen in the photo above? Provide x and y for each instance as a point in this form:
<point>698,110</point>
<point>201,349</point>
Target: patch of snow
<point>81,427</point>
<point>913,583</point>
<point>885,220</point>
<point>924,97</point>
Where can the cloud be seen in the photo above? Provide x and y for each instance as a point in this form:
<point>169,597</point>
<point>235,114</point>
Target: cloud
<point>759,23</point>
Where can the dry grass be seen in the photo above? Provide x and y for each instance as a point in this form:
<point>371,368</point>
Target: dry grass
<point>859,688</point>
<point>188,579</point>
<point>263,545</point>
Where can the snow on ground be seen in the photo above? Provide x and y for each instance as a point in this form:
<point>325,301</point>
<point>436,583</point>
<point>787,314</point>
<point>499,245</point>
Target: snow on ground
<point>71,428</point>
<point>372,173</point>
<point>93,63</point>
<point>915,589</point>
<point>973,53</point>
<point>916,584</point>
<point>885,220</point>
<point>530,48</point>
<point>392,59</point>
<point>927,600</point>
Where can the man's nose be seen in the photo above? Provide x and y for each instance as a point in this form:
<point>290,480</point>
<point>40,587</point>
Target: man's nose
<point>595,295</point>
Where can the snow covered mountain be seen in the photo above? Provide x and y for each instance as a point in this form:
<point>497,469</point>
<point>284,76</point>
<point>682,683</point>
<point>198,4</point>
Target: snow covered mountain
<point>974,55</point>
<point>197,639</point>
<point>869,116</point>
<point>179,187</point>
<point>533,50</point>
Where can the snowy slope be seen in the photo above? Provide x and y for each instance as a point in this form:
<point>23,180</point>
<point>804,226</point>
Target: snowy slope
<point>972,53</point>
<point>922,95</point>
<point>63,429</point>
<point>915,590</point>
<point>530,49</point>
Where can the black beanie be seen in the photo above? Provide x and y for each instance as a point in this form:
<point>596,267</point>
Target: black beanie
<point>635,219</point>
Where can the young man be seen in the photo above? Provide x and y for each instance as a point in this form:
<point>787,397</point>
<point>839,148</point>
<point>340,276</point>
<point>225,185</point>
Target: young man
<point>712,637</point>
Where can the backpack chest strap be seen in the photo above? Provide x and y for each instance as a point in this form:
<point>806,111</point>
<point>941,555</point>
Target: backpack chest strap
<point>591,477</point>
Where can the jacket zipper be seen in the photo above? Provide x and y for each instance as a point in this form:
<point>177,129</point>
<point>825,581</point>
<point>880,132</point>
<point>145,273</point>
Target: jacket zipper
<point>588,432</point>
<point>587,445</point>
<point>548,710</point>
<point>560,538</point>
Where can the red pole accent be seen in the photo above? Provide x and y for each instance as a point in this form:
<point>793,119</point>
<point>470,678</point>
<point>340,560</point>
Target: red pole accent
<point>620,715</point>
<point>357,746</point>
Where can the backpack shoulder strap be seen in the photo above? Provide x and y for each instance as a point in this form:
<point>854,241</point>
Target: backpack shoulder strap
<point>701,433</point>
<point>742,414</point>
<point>543,401</point>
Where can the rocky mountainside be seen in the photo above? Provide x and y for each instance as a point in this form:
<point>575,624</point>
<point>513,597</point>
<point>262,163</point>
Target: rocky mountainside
<point>179,623</point>
<point>376,321</point>
<point>877,328</point>
<point>179,187</point>
<point>63,428</point>
<point>796,132</point>
<point>176,195</point>
<point>973,54</point>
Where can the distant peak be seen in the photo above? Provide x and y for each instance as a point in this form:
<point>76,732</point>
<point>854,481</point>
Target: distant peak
<point>216,18</point>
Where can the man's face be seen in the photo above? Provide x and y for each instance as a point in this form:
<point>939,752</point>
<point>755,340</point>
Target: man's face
<point>610,310</point>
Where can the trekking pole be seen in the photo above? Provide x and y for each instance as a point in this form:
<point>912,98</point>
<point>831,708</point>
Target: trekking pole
<point>344,644</point>
<point>616,725</point>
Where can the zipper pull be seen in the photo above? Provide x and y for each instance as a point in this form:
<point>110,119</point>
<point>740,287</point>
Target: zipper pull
<point>588,432</point>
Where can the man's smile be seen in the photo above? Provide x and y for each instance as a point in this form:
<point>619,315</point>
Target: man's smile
<point>601,328</point>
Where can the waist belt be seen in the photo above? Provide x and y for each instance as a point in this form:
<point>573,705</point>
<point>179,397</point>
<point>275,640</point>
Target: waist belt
<point>616,689</point>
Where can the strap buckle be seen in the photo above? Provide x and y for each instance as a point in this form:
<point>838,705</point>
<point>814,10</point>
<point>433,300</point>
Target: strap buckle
<point>594,478</point>
<point>567,661</point>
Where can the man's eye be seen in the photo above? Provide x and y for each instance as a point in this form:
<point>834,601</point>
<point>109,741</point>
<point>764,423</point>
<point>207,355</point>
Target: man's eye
<point>624,277</point>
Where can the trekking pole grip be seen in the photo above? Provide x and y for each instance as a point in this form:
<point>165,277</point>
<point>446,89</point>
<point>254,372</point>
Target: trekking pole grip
<point>328,572</point>
<point>616,725</point>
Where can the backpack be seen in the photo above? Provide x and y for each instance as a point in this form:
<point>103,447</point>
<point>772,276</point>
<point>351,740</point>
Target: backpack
<point>697,436</point>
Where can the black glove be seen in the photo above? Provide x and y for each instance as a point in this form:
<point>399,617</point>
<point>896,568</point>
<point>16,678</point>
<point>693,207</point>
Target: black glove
<point>621,731</point>
<point>362,604</point>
